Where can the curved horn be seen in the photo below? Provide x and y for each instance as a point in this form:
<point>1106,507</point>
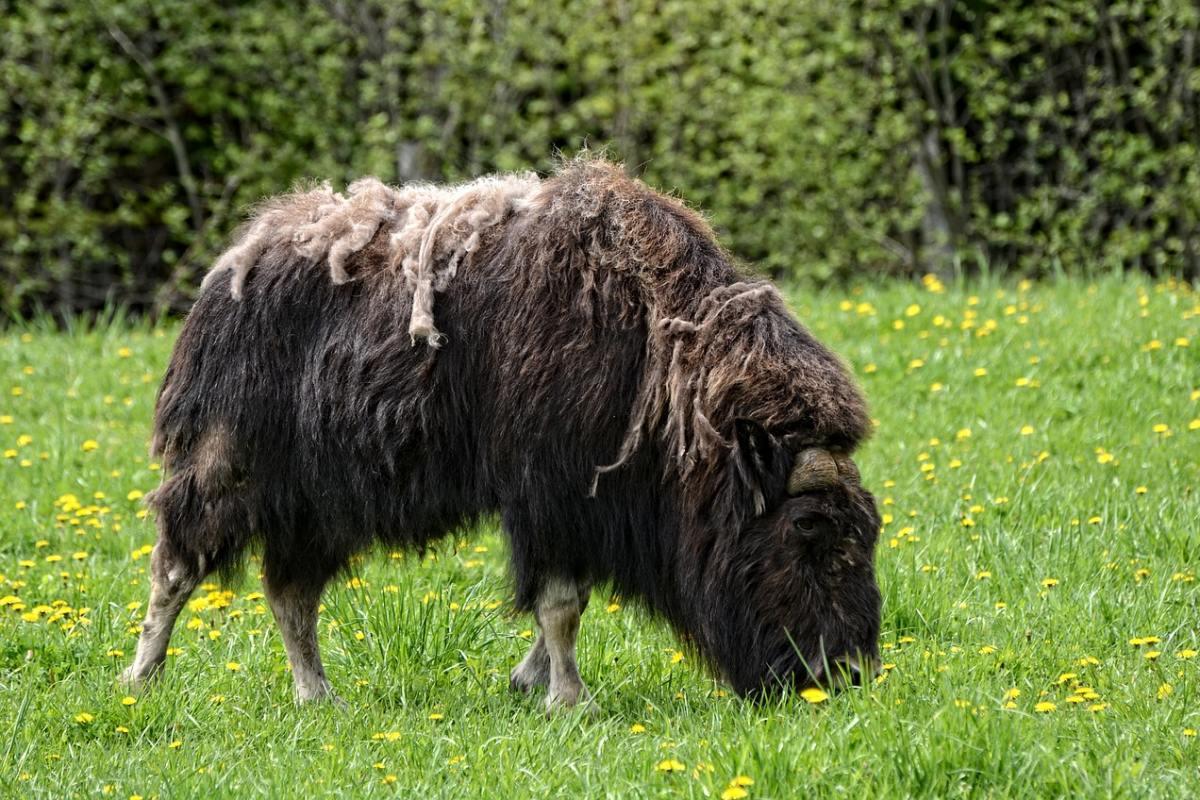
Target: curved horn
<point>814,469</point>
<point>847,469</point>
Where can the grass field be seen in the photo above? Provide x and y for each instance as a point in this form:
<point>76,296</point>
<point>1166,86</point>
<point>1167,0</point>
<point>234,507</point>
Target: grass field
<point>1037,460</point>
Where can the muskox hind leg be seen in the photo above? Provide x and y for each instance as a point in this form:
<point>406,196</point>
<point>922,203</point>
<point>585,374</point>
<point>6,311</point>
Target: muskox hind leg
<point>172,581</point>
<point>294,602</point>
<point>552,658</point>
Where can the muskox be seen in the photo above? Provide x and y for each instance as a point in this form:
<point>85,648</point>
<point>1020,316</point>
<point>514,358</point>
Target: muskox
<point>575,354</point>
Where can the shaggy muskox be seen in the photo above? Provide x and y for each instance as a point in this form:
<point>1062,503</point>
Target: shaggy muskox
<point>574,353</point>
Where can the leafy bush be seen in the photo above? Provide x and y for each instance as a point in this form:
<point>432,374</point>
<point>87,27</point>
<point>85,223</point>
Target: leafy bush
<point>826,141</point>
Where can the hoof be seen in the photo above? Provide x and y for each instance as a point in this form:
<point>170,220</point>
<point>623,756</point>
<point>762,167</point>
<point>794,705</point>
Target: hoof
<point>526,677</point>
<point>572,700</point>
<point>320,695</point>
<point>132,678</point>
<point>128,680</point>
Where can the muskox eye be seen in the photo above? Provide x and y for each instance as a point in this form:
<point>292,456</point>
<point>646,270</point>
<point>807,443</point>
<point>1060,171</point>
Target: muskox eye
<point>805,525</point>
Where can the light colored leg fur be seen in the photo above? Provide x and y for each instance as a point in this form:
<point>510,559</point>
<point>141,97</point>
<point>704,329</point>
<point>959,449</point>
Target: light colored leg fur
<point>295,610</point>
<point>558,609</point>
<point>534,669</point>
<point>171,584</point>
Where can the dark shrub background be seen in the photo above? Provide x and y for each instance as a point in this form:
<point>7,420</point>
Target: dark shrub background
<point>826,140</point>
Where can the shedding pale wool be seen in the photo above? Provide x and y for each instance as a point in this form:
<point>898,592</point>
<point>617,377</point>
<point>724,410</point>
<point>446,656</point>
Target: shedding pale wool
<point>640,255</point>
<point>433,230</point>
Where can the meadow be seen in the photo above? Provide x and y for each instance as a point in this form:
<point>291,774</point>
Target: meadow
<point>1037,458</point>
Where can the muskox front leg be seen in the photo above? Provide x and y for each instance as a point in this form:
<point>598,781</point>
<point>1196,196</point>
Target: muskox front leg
<point>534,669</point>
<point>559,606</point>
<point>294,604</point>
<point>172,581</point>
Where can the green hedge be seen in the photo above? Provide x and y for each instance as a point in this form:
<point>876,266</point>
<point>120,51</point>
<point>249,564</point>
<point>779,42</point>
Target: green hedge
<point>826,140</point>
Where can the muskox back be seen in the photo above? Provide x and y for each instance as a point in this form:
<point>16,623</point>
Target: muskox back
<point>387,366</point>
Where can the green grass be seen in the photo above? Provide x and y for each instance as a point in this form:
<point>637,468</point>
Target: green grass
<point>979,527</point>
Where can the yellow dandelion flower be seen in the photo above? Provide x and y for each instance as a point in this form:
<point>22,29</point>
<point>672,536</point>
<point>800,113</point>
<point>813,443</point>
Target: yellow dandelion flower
<point>1097,707</point>
<point>670,765</point>
<point>1026,430</point>
<point>435,716</point>
<point>1186,654</point>
<point>1152,655</point>
<point>128,701</point>
<point>1189,732</point>
<point>90,445</point>
<point>814,695</point>
<point>233,666</point>
<point>612,608</point>
<point>389,779</point>
<point>1044,707</point>
<point>1165,690</point>
<point>734,793</point>
<point>175,744</point>
<point>1194,425</point>
<point>1012,694</point>
<point>83,718</point>
<point>1049,583</point>
<point>987,650</point>
<point>676,656</point>
<point>637,728</point>
<point>980,372</point>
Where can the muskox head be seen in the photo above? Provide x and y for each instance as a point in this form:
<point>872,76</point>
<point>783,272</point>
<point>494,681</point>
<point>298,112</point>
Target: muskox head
<point>790,600</point>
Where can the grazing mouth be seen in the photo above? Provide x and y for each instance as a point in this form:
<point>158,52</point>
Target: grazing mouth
<point>829,675</point>
<point>842,672</point>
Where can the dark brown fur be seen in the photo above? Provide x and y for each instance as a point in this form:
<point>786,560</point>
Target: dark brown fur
<point>606,382</point>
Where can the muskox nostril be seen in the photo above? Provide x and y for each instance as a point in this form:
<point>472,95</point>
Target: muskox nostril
<point>855,674</point>
<point>851,671</point>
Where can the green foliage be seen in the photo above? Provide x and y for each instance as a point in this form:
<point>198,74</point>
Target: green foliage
<point>824,139</point>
